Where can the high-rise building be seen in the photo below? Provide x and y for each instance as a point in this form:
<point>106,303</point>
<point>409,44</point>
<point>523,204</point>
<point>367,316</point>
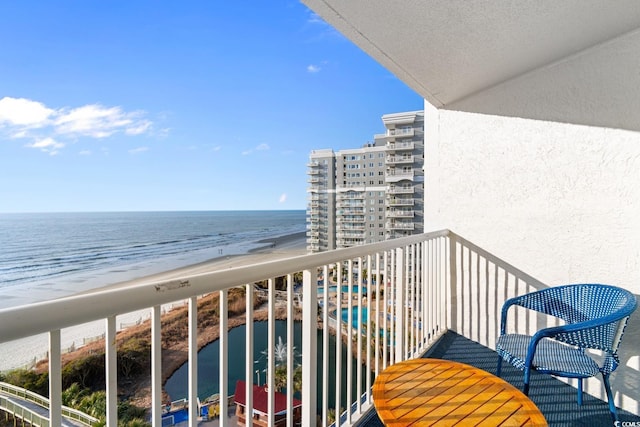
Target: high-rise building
<point>368,194</point>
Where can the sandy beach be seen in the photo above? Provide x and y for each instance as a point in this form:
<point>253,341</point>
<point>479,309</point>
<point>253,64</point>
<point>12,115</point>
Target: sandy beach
<point>23,353</point>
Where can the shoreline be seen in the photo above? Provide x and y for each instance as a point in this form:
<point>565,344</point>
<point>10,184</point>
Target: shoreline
<point>20,353</point>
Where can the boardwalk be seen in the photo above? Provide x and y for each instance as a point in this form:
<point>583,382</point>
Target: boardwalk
<point>12,405</point>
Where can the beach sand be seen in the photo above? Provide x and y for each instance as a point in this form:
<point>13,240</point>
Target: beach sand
<point>24,352</point>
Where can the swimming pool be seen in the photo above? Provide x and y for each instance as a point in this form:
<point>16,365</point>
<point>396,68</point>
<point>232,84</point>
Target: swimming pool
<point>356,316</point>
<point>344,289</point>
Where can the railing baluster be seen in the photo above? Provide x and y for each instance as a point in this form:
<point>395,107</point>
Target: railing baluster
<point>290,353</point>
<point>325,346</point>
<point>193,361</point>
<point>359,338</point>
<point>111,365</point>
<point>156,366</point>
<point>377,311</point>
<point>349,327</point>
<point>385,313</point>
<point>249,362</point>
<point>369,326</point>
<point>400,301</point>
<point>55,378</point>
<point>309,347</point>
<point>271,343</point>
<point>224,357</point>
<point>338,371</point>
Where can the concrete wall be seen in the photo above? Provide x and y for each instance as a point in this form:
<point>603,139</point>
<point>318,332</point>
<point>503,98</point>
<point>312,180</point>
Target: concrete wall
<point>560,202</point>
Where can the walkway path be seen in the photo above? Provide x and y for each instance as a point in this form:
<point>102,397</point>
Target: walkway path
<point>33,408</point>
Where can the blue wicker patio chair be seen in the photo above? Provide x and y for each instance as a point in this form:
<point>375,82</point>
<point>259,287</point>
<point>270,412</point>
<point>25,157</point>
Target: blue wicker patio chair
<point>594,317</point>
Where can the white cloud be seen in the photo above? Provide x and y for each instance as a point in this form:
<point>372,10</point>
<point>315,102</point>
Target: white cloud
<point>261,147</point>
<point>47,145</point>
<point>22,118</point>
<point>313,69</point>
<point>138,150</point>
<point>97,121</point>
<point>85,153</point>
<point>23,112</point>
<point>283,198</point>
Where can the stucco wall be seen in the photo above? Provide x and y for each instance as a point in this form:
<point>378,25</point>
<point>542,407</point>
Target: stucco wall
<point>560,202</point>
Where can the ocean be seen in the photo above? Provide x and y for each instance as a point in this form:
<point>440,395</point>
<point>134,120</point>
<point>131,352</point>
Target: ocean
<point>48,255</point>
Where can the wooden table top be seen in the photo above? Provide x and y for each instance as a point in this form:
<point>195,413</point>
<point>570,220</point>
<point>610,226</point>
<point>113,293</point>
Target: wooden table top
<point>430,392</point>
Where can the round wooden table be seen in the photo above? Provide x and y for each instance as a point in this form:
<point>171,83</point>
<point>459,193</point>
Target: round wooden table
<point>429,392</point>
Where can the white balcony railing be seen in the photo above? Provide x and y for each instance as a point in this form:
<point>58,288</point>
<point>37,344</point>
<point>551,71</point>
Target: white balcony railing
<point>416,288</point>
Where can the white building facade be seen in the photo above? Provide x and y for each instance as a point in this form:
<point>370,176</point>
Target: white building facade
<point>368,194</point>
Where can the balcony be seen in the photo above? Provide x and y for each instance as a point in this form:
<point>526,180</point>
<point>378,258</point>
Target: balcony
<point>392,134</point>
<point>315,180</point>
<point>397,160</point>
<point>395,189</point>
<point>353,211</point>
<point>399,225</point>
<point>351,203</point>
<point>435,292</point>
<point>345,197</point>
<point>401,202</point>
<point>400,213</point>
<point>401,146</point>
<point>350,234</point>
<point>351,226</point>
<point>395,175</point>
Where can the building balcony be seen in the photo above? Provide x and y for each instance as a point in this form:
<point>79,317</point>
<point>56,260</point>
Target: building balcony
<point>352,211</point>
<point>397,160</point>
<point>350,234</point>
<point>401,202</point>
<point>397,213</point>
<point>392,134</point>
<point>345,197</point>
<point>315,180</point>
<point>395,175</point>
<point>433,294</point>
<point>350,226</point>
<point>350,242</point>
<point>399,225</point>
<point>350,203</point>
<point>396,189</point>
<point>350,219</point>
<point>401,146</point>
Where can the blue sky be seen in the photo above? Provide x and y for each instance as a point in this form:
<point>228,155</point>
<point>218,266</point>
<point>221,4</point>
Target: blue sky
<point>195,105</point>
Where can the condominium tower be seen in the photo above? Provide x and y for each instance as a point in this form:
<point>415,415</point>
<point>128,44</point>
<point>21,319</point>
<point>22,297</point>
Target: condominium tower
<point>368,194</point>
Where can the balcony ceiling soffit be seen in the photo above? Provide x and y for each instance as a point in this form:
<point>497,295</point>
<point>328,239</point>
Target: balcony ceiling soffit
<point>571,61</point>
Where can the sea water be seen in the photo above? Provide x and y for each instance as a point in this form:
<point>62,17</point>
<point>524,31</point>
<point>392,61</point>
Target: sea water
<point>48,255</point>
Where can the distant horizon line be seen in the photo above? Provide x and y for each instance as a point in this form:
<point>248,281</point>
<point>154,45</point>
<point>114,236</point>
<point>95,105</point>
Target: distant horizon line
<point>151,211</point>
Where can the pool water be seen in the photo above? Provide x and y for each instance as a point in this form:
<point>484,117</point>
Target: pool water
<point>361,316</point>
<point>344,289</point>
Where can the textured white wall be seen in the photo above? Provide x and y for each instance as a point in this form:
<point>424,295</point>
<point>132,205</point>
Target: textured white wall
<point>560,202</point>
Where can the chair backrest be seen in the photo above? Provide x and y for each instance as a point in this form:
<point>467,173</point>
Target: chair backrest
<point>602,311</point>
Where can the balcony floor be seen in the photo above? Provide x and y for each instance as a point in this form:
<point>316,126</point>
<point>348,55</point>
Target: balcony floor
<point>556,400</point>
